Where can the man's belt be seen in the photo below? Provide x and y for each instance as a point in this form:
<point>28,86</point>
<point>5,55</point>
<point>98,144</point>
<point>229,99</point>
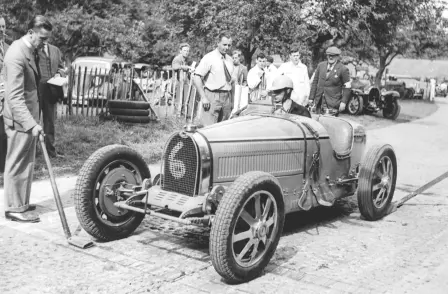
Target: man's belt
<point>218,91</point>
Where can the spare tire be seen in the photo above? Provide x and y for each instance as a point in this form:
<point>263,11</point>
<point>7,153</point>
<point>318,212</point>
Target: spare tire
<point>132,119</point>
<point>129,112</point>
<point>127,104</point>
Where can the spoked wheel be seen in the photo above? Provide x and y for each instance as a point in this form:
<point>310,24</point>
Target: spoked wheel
<point>247,227</point>
<point>377,179</point>
<point>103,173</point>
<point>391,110</point>
<point>355,105</point>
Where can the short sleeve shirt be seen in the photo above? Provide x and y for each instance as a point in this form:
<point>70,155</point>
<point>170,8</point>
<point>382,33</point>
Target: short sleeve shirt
<point>211,69</point>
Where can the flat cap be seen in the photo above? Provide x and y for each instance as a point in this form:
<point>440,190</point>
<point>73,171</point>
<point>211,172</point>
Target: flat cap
<point>333,51</point>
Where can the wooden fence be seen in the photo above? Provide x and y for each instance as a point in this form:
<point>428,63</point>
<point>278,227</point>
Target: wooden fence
<point>89,90</point>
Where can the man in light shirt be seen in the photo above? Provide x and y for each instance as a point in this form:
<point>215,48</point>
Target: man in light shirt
<point>298,72</point>
<point>213,80</point>
<point>257,79</point>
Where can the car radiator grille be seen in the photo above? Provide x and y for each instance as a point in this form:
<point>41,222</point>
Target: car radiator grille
<point>181,164</point>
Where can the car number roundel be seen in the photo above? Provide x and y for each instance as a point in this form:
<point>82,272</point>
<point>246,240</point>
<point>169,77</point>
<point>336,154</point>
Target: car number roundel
<point>177,167</point>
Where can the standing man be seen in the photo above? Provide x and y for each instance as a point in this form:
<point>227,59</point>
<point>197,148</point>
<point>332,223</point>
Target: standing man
<point>21,115</point>
<point>179,64</point>
<point>241,77</point>
<point>330,88</point>
<point>50,65</point>
<point>298,73</point>
<point>213,80</point>
<point>3,45</point>
<point>257,78</point>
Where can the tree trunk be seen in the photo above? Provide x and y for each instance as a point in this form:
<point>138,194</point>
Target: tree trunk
<point>381,70</point>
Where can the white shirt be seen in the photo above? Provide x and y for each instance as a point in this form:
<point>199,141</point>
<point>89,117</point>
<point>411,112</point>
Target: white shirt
<point>256,81</point>
<point>300,79</point>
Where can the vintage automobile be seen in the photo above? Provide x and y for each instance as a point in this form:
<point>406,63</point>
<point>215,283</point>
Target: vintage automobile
<point>240,177</point>
<point>368,99</point>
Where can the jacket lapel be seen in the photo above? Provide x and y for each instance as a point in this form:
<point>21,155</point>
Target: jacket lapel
<point>30,57</point>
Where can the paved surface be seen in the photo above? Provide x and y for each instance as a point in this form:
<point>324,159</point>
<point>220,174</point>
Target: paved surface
<point>327,250</point>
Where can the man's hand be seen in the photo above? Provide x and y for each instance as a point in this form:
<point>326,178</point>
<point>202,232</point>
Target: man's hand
<point>263,94</point>
<point>57,75</point>
<point>205,104</point>
<point>36,130</point>
<point>342,107</point>
<point>310,102</point>
<point>260,73</point>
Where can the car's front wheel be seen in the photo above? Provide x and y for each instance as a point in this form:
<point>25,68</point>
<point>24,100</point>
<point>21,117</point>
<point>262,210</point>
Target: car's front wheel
<point>247,227</point>
<point>377,179</point>
<point>104,172</point>
<point>355,105</point>
<point>392,110</point>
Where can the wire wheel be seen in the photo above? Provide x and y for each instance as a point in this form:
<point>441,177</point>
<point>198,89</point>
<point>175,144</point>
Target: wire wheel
<point>255,228</point>
<point>377,179</point>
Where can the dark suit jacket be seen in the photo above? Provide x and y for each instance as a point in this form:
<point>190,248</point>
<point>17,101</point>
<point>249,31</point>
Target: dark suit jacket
<point>2,58</point>
<point>334,87</point>
<point>21,106</point>
<point>55,92</point>
<point>298,109</point>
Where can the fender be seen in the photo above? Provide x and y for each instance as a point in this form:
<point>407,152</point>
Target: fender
<point>390,95</point>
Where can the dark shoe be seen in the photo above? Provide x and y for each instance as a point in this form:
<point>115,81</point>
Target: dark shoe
<point>22,217</point>
<point>31,207</point>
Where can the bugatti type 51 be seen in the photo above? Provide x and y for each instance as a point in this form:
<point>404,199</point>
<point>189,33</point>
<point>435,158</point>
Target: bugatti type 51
<point>240,177</point>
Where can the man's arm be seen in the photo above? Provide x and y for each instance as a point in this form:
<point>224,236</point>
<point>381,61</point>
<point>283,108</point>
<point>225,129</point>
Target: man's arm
<point>61,69</point>
<point>346,88</point>
<point>16,98</point>
<point>177,64</point>
<point>306,79</point>
<point>253,78</point>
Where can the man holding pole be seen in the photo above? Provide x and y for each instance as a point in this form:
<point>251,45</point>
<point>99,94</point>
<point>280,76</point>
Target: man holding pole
<point>213,80</point>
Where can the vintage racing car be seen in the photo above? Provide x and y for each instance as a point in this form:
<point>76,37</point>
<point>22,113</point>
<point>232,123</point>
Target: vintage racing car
<point>240,177</point>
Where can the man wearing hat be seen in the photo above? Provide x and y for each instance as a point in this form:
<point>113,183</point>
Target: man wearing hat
<point>281,90</point>
<point>330,88</point>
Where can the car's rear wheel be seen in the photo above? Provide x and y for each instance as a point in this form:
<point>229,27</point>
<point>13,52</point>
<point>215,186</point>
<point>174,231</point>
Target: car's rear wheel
<point>96,192</point>
<point>355,105</point>
<point>377,179</point>
<point>247,227</point>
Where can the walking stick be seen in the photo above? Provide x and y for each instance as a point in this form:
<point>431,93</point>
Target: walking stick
<point>72,240</point>
<point>188,98</point>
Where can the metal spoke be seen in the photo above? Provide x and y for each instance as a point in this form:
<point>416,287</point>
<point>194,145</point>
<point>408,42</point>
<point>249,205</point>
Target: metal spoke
<point>267,208</point>
<point>255,250</point>
<point>383,164</point>
<point>378,173</point>
<point>376,187</point>
<point>257,207</point>
<point>242,236</point>
<point>270,221</point>
<point>247,217</point>
<point>245,249</point>
<point>380,196</point>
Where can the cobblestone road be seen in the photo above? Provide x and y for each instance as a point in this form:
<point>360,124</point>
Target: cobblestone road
<point>327,250</point>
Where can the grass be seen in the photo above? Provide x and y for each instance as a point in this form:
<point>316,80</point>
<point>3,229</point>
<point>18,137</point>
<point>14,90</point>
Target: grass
<point>78,137</point>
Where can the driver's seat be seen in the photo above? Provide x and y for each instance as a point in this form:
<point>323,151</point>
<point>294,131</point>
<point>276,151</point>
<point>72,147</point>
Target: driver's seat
<point>341,135</point>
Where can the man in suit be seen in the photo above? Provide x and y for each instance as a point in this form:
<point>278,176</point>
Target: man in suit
<point>3,45</point>
<point>50,65</point>
<point>330,88</point>
<point>21,115</point>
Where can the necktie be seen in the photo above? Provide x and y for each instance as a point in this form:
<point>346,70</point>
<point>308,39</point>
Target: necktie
<point>2,49</point>
<point>226,71</point>
<point>36,60</point>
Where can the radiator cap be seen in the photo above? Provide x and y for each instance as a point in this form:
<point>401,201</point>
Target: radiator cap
<point>190,128</point>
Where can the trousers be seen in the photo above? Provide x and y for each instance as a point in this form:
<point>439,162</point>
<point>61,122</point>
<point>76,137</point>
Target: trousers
<point>220,107</point>
<point>48,117</point>
<point>19,169</point>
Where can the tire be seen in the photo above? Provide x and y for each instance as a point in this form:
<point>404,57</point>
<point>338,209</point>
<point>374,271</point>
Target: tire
<point>241,195</point>
<point>129,112</point>
<point>95,210</point>
<point>377,178</point>
<point>392,110</point>
<point>132,119</point>
<point>355,105</point>
<point>126,104</point>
